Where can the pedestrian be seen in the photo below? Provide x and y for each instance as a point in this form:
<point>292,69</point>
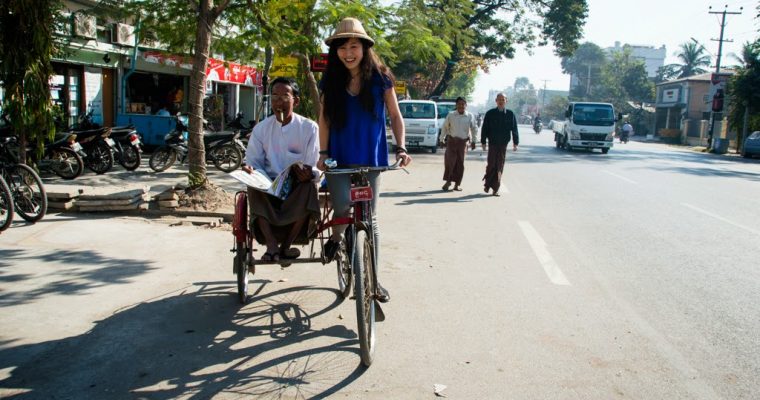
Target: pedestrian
<point>357,89</point>
<point>499,127</point>
<point>459,128</point>
<point>284,140</point>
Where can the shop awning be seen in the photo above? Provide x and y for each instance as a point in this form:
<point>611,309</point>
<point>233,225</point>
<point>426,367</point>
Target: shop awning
<point>216,70</point>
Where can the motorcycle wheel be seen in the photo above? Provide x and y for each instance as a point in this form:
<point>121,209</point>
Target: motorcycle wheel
<point>130,158</point>
<point>66,163</point>
<point>162,159</point>
<point>100,159</point>
<point>227,157</point>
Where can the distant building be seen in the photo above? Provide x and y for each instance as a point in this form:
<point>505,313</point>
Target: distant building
<point>683,108</point>
<point>653,58</point>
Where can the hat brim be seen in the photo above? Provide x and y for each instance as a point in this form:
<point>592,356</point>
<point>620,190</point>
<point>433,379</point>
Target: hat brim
<point>347,35</point>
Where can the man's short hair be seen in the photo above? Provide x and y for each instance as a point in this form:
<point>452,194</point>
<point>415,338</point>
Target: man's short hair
<point>461,98</point>
<point>286,81</point>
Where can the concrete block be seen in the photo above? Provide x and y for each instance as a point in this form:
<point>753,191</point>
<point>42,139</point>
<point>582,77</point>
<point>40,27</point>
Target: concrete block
<point>111,193</point>
<point>168,204</point>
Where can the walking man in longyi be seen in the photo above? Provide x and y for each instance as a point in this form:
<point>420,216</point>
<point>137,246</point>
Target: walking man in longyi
<point>499,127</point>
<point>459,128</point>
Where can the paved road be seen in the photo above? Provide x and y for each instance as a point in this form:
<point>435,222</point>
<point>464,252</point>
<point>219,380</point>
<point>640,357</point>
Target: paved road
<point>627,275</point>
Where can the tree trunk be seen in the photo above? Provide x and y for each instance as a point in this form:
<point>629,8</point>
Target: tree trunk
<point>311,81</point>
<point>196,150</point>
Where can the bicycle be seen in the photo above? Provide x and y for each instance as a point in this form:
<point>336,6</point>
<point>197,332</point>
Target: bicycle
<point>29,197</point>
<point>6,205</point>
<point>356,257</point>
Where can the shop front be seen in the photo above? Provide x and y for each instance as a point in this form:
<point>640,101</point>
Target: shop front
<point>157,89</point>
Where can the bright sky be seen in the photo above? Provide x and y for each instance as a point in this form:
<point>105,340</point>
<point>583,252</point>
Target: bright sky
<point>642,22</point>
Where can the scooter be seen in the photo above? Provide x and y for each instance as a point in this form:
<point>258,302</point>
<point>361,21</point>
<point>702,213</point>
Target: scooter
<point>538,127</point>
<point>223,149</point>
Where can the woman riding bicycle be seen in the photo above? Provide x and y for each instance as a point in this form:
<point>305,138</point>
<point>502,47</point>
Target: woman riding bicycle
<point>356,91</point>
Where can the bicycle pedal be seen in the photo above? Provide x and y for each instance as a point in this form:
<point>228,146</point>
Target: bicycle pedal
<point>379,314</point>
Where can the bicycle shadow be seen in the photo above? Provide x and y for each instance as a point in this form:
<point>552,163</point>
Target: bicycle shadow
<point>195,344</point>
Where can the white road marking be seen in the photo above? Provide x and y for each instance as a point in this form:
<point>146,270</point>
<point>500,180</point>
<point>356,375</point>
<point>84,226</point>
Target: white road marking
<point>544,257</point>
<point>621,177</point>
<point>718,217</point>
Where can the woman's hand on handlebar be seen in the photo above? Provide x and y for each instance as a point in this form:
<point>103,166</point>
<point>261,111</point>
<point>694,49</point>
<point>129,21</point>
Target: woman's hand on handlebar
<point>403,159</point>
<point>321,163</point>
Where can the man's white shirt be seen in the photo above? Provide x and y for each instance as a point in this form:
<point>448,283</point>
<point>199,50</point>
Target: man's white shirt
<point>273,147</point>
<point>459,126</point>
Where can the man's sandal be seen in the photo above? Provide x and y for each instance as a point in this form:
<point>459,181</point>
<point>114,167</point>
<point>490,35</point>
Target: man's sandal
<point>274,257</point>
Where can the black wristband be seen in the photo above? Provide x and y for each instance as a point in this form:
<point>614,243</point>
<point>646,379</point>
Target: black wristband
<point>400,149</point>
<point>323,152</point>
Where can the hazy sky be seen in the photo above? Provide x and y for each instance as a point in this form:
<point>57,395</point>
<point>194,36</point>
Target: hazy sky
<point>641,22</point>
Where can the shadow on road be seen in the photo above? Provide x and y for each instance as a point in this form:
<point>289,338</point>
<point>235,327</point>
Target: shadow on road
<point>80,271</point>
<point>195,345</point>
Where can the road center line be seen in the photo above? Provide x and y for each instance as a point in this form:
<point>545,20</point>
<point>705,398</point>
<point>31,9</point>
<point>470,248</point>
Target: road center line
<point>621,177</point>
<point>538,245</point>
<point>718,217</point>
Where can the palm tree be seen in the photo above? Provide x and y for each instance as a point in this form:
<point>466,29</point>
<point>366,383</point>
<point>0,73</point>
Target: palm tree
<point>693,58</point>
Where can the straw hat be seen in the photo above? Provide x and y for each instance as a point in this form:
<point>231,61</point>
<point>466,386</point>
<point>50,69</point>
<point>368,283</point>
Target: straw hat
<point>348,28</point>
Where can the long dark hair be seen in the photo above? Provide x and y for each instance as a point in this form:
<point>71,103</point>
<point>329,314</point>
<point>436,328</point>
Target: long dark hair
<point>336,79</point>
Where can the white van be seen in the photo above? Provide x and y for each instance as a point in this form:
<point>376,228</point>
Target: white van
<point>420,123</point>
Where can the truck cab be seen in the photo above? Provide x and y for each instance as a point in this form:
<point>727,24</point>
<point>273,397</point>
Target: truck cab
<point>587,125</point>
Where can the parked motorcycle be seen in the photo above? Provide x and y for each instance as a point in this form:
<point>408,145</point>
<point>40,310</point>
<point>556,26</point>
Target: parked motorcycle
<point>126,145</point>
<point>61,157</point>
<point>223,149</point>
<point>245,130</point>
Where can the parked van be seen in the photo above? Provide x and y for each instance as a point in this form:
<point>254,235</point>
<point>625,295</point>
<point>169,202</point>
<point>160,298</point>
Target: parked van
<point>420,123</point>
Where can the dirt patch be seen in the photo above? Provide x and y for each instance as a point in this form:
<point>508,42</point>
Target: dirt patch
<point>209,197</point>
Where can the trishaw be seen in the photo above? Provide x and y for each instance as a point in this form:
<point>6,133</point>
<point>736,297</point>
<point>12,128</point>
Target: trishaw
<point>355,259</point>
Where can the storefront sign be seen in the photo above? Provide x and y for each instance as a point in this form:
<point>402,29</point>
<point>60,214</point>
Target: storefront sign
<point>670,95</point>
<point>400,88</point>
<point>216,70</point>
<point>319,62</point>
<point>286,67</point>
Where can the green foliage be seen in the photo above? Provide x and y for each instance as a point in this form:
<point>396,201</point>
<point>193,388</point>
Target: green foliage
<point>555,109</point>
<point>585,64</point>
<point>694,59</point>
<point>462,85</point>
<point>744,89</point>
<point>625,79</point>
<point>26,48</point>
<point>479,34</point>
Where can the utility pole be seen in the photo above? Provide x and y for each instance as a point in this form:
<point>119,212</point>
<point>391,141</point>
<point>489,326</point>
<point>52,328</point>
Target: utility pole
<point>720,41</point>
<point>543,95</point>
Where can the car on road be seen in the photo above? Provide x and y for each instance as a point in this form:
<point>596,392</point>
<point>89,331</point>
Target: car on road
<point>751,145</point>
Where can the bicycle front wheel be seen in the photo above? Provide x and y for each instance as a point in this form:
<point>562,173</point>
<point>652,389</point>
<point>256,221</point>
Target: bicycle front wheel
<point>363,264</point>
<point>6,205</point>
<point>29,197</point>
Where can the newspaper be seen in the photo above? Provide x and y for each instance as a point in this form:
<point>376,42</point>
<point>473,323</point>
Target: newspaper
<point>279,187</point>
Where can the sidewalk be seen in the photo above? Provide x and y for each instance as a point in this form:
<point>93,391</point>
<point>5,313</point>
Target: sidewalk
<point>697,149</point>
<point>131,192</point>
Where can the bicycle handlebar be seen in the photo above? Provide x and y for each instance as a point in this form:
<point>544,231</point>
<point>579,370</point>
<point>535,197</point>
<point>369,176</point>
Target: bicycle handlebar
<point>338,171</point>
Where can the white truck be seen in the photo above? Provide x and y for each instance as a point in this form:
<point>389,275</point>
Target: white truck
<point>586,125</point>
